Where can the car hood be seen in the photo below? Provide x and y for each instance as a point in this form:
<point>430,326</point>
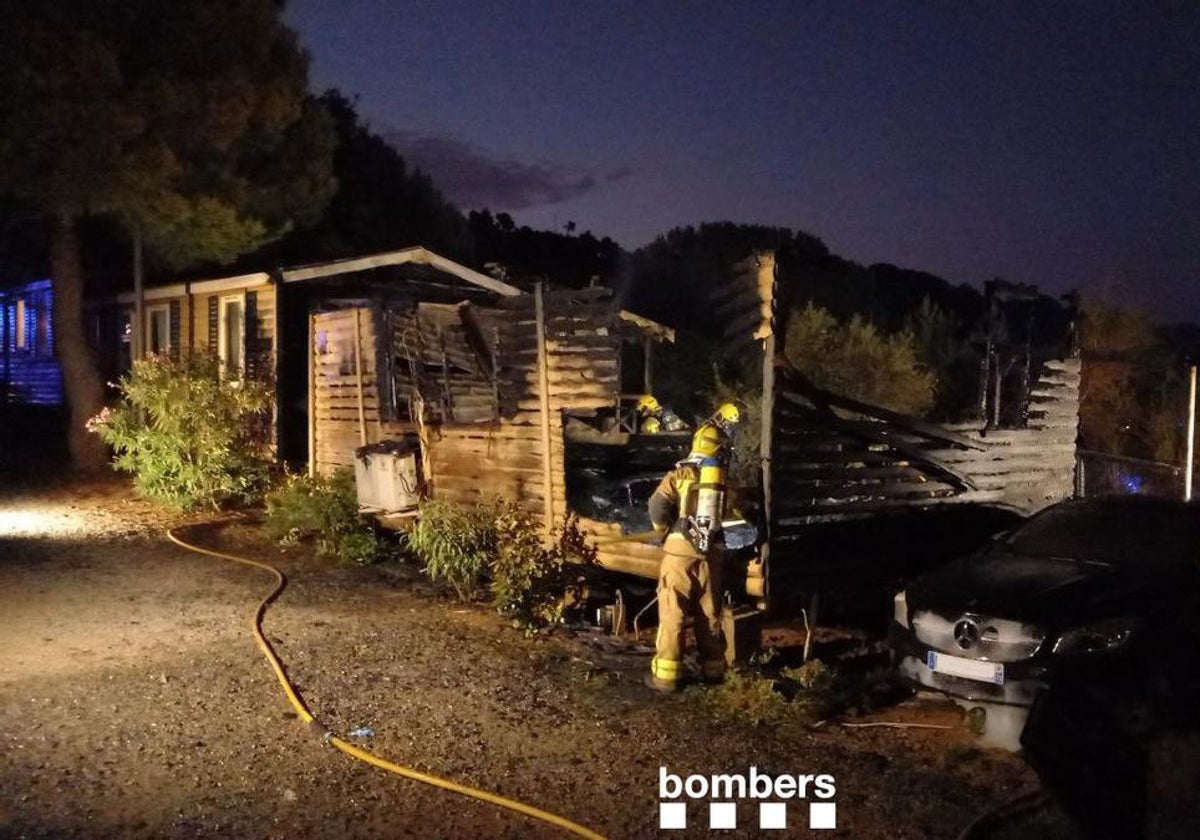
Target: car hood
<point>1045,590</point>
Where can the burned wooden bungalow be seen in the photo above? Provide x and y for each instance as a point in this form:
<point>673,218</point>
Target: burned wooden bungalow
<point>493,391</point>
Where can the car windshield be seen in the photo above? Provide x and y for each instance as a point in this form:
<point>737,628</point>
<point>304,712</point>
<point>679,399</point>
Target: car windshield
<point>1116,535</point>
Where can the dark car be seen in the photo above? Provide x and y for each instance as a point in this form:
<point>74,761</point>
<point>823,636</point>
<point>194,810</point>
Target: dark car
<point>622,499</point>
<point>1091,590</point>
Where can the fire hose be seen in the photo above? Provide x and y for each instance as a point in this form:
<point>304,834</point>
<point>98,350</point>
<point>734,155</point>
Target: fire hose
<point>309,719</point>
<point>638,537</point>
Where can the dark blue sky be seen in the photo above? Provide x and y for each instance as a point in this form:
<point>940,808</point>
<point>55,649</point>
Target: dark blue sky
<point>1054,143</point>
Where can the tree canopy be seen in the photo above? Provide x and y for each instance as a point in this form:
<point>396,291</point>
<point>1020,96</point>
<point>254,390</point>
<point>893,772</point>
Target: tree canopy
<point>380,203</point>
<point>186,121</point>
<point>857,360</point>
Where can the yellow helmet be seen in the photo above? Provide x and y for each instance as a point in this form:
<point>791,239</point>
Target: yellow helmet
<point>707,441</point>
<point>647,406</point>
<point>727,416</point>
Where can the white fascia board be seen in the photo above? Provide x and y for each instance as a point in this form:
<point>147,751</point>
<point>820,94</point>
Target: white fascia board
<point>348,266</point>
<point>225,284</point>
<point>175,290</point>
<point>200,287</point>
<point>655,329</point>
<point>418,255</point>
<point>471,275</point>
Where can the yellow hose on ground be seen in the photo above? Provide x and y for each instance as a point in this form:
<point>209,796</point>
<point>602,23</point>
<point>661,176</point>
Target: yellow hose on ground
<point>349,749</point>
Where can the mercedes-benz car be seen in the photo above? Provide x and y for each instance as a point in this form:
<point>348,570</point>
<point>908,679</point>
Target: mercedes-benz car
<point>1099,589</point>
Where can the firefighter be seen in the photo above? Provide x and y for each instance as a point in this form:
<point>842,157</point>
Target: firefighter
<point>687,508</point>
<point>656,418</point>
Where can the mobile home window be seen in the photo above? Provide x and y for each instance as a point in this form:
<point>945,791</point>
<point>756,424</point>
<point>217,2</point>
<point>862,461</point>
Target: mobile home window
<point>158,329</point>
<point>231,334</point>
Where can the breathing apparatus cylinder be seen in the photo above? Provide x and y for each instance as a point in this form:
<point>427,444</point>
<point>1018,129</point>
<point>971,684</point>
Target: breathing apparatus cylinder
<point>709,510</point>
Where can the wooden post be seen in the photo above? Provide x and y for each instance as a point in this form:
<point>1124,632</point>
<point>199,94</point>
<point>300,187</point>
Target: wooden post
<point>647,366</point>
<point>1191,435</point>
<point>765,444</point>
<point>544,399</point>
<point>764,451</point>
<point>995,424</point>
<point>362,408</point>
<point>496,374</point>
<point>447,402</point>
<point>312,394</point>
<point>384,376</point>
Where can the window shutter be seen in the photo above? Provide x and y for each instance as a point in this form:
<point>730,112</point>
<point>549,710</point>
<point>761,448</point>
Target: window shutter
<point>174,329</point>
<point>213,316</point>
<point>251,336</point>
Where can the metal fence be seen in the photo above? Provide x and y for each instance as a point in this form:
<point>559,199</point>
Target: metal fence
<point>1099,474</point>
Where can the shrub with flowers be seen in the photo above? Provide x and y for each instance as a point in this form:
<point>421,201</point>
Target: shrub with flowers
<point>189,437</point>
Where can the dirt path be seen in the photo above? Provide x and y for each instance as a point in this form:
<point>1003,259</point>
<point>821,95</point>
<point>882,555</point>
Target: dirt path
<point>135,704</point>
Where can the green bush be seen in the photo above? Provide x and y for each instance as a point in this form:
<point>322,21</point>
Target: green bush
<point>456,543</point>
<point>856,360</point>
<point>324,509</point>
<point>502,546</point>
<point>530,576</point>
<point>189,438</point>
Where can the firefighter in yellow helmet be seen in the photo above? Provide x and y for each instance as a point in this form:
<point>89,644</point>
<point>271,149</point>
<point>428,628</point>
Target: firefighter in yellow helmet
<point>655,418</point>
<point>687,507</point>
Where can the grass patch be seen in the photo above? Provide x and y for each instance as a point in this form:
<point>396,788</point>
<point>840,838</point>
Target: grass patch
<point>765,694</point>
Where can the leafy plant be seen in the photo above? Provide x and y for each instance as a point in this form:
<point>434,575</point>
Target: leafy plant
<point>325,509</point>
<point>189,438</point>
<point>456,543</point>
<point>813,675</point>
<point>530,576</point>
<point>501,545</point>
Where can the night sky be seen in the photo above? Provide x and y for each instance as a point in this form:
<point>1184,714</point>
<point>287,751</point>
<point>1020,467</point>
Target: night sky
<point>1054,143</point>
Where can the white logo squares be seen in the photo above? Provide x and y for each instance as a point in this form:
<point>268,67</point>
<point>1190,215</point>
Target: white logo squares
<point>772,815</point>
<point>822,815</point>
<point>672,815</point>
<point>722,792</point>
<point>722,815</point>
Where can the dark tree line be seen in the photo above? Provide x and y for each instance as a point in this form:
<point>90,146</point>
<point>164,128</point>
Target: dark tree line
<point>190,125</point>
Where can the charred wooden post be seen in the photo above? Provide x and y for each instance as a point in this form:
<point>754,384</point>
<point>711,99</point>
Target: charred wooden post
<point>543,366</point>
<point>312,395</point>
<point>358,378</point>
<point>767,330</point>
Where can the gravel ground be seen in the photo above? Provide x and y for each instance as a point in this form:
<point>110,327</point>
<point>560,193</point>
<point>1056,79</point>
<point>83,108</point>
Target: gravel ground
<point>135,704</point>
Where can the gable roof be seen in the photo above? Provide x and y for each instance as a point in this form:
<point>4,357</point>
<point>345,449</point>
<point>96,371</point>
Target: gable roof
<point>410,256</point>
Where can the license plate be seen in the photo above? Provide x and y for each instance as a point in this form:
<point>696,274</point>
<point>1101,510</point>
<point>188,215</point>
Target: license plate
<point>971,669</point>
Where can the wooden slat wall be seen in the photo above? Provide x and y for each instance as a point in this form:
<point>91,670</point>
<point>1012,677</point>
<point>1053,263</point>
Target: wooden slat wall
<point>338,428</point>
<point>582,346</point>
<point>490,442</point>
<point>427,337</point>
<point>475,463</point>
<point>821,474</point>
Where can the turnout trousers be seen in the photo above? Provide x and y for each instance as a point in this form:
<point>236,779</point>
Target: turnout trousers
<point>689,586</point>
